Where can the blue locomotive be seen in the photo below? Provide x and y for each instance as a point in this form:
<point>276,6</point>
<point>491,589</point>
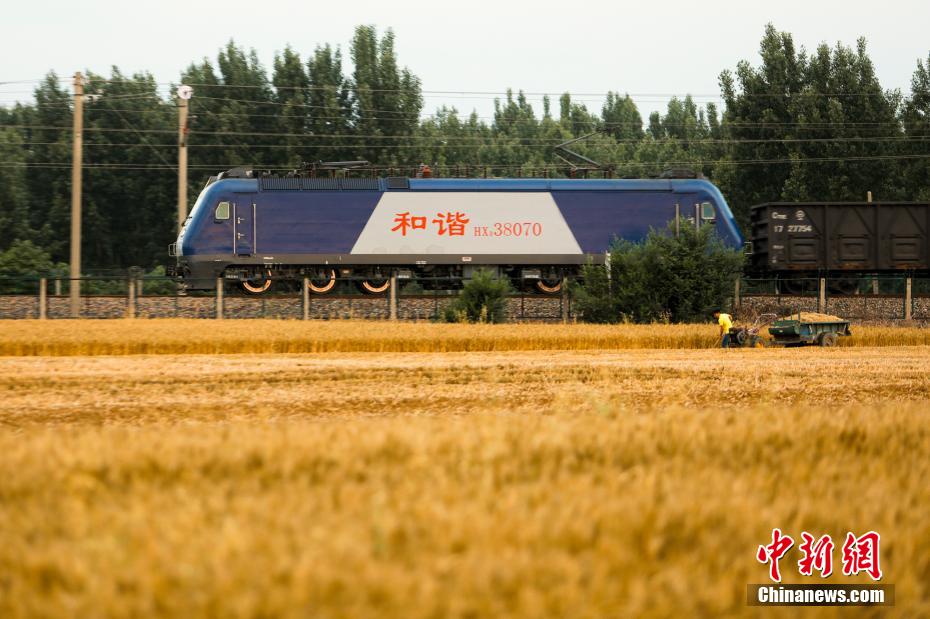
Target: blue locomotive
<point>255,229</point>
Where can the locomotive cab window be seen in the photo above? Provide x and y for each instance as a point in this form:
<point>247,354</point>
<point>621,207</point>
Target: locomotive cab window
<point>222,211</point>
<point>708,213</point>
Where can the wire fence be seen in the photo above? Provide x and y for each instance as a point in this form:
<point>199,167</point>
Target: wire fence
<point>875,298</point>
<point>118,294</point>
<point>125,296</point>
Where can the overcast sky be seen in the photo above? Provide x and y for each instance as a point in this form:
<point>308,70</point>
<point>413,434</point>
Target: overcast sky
<point>650,49</point>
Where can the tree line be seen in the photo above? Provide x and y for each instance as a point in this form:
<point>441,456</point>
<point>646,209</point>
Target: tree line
<point>796,125</point>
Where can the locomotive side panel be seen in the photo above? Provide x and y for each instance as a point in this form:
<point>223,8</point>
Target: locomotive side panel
<point>312,222</point>
<point>289,227</point>
<point>598,217</point>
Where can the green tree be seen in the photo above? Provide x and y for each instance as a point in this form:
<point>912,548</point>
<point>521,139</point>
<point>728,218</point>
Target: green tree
<point>592,298</point>
<point>330,103</point>
<point>14,202</point>
<point>843,126</point>
<point>387,100</point>
<point>49,189</point>
<point>291,85</point>
<point>663,278</point>
<point>130,187</point>
<point>20,266</point>
<point>802,127</point>
<point>915,117</point>
<point>620,117</point>
<point>755,120</point>
<point>23,257</point>
<point>249,109</point>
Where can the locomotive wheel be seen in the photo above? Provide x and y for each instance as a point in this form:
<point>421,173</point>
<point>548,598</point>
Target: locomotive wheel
<point>549,286</point>
<point>257,286</point>
<point>323,282</point>
<point>375,286</point>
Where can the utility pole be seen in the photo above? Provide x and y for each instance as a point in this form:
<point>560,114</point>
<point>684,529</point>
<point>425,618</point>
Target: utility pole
<point>76,162</point>
<point>184,94</point>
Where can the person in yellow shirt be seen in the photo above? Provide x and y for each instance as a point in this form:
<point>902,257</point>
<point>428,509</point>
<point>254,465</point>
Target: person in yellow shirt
<point>726,323</point>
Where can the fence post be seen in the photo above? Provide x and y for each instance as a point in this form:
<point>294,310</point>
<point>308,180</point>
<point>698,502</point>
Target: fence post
<point>736,296</point>
<point>219,298</point>
<point>563,300</point>
<point>392,302</point>
<point>822,300</point>
<point>908,299</point>
<point>57,286</point>
<point>75,301</point>
<point>131,305</point>
<point>43,289</point>
<point>305,293</point>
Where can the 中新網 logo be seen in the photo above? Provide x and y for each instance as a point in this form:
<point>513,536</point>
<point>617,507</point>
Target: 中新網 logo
<point>859,554</point>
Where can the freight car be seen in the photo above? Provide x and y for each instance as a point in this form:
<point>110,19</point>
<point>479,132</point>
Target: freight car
<point>795,240</point>
<point>255,230</point>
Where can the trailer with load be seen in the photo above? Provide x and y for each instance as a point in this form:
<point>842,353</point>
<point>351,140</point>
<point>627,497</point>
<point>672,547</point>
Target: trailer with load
<point>808,330</point>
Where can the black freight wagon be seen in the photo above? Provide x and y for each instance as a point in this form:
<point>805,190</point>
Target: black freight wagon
<point>839,238</point>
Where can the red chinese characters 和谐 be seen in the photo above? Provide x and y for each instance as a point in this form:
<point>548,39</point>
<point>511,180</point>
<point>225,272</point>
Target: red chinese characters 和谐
<point>447,224</point>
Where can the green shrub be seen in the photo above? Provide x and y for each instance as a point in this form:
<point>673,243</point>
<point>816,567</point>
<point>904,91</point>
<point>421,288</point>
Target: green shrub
<point>25,258</point>
<point>591,295</point>
<point>21,265</point>
<point>661,279</point>
<point>482,299</point>
<point>159,282</point>
<point>410,286</point>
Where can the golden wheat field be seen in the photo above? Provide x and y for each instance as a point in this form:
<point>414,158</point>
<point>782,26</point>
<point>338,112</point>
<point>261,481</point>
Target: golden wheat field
<point>284,469</point>
<point>117,337</point>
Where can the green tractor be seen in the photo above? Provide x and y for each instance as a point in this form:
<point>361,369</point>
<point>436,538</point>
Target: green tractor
<point>748,337</point>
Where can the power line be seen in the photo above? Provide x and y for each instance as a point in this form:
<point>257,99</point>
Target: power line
<point>511,91</point>
<point>143,138</point>
<point>434,142</point>
<point>619,164</point>
<point>297,105</point>
<point>597,122</point>
<point>413,136</point>
<point>497,120</point>
<point>270,87</point>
